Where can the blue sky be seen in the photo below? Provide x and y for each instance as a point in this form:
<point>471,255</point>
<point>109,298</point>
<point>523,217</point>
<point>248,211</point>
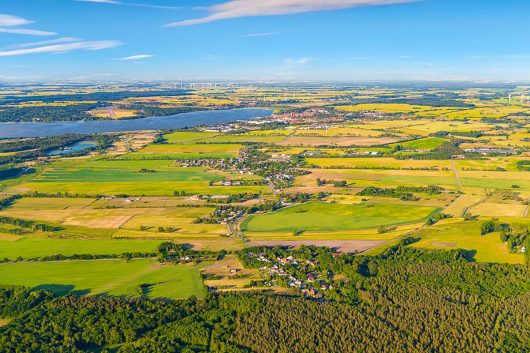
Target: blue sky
<point>265,39</point>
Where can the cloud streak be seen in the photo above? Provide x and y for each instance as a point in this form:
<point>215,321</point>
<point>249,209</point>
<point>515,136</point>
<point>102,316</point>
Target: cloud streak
<point>10,24</point>
<point>46,42</point>
<point>62,48</point>
<point>114,2</point>
<point>252,8</point>
<point>137,57</point>
<point>262,34</point>
<point>301,61</point>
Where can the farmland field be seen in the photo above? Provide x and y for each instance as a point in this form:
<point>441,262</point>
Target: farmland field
<point>34,247</point>
<point>466,235</point>
<point>344,179</point>
<point>332,217</point>
<point>112,277</point>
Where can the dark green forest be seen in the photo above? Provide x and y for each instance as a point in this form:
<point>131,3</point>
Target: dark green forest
<point>404,300</point>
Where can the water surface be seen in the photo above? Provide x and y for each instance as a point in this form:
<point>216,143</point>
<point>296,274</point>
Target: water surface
<point>176,121</point>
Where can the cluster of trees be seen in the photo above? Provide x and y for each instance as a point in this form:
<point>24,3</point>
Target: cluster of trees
<point>72,112</point>
<point>518,238</point>
<point>40,143</point>
<point>473,134</point>
<point>42,227</point>
<point>443,152</point>
<point>27,149</point>
<point>337,183</point>
<point>404,300</point>
<point>523,165</point>
<point>8,201</point>
<point>59,257</point>
<point>182,253</point>
<point>401,192</point>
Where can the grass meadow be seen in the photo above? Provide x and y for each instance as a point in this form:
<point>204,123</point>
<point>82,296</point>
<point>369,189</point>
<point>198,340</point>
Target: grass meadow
<point>317,216</point>
<point>112,277</point>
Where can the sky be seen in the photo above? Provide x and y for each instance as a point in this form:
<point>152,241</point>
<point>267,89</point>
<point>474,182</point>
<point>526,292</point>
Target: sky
<point>265,40</point>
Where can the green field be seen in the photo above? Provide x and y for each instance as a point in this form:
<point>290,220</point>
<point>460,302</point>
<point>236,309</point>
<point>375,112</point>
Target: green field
<point>187,136</point>
<point>103,179</point>
<point>120,175</point>
<point>316,216</point>
<point>113,277</point>
<point>430,144</point>
<point>32,247</point>
<point>133,188</point>
<point>466,235</point>
<point>186,151</point>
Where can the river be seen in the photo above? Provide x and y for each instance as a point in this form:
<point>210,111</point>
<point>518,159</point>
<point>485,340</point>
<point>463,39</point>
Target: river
<point>177,121</point>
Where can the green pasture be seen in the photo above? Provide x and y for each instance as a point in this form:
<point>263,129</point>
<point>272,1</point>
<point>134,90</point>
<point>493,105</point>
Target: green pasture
<point>112,277</point>
<point>316,216</point>
<point>187,136</point>
<point>430,143</point>
<point>247,138</point>
<point>121,175</point>
<point>466,235</point>
<point>136,165</point>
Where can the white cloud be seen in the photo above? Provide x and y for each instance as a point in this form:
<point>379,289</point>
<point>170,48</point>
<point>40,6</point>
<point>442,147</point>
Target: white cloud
<point>63,48</point>
<point>31,32</point>
<point>46,42</point>
<point>10,21</point>
<point>301,61</point>
<point>248,8</point>
<point>114,2</point>
<point>137,57</point>
<point>10,24</point>
<point>262,34</point>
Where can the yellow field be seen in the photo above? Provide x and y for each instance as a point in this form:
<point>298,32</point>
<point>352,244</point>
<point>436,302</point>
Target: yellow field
<point>378,163</point>
<point>113,113</point>
<point>335,141</point>
<point>492,209</point>
<point>455,234</point>
<point>381,178</point>
<point>461,205</point>
<point>339,131</point>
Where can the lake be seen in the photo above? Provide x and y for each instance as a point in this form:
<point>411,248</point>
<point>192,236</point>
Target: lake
<point>76,147</point>
<point>177,121</point>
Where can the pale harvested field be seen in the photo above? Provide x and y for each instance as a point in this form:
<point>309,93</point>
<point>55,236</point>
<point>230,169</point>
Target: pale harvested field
<point>335,141</point>
<point>41,203</point>
<point>461,204</point>
<point>490,209</point>
<point>109,219</point>
<point>341,245</point>
<point>10,237</point>
<point>340,132</point>
<point>229,280</point>
<point>147,202</point>
<point>381,178</point>
<point>381,163</point>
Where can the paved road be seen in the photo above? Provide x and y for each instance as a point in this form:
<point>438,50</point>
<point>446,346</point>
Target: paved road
<point>233,229</point>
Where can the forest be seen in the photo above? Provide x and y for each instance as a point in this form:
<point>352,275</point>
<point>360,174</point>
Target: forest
<point>402,300</point>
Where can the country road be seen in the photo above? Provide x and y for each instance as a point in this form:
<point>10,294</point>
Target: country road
<point>456,175</point>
